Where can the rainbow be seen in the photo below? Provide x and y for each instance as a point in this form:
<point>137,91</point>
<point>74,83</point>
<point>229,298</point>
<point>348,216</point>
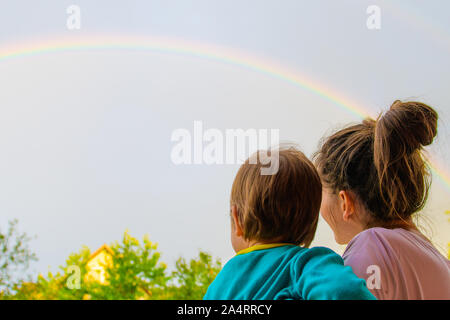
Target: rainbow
<point>416,18</point>
<point>203,51</point>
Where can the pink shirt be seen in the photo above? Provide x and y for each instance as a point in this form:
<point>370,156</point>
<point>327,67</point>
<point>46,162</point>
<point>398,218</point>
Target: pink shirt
<point>399,264</point>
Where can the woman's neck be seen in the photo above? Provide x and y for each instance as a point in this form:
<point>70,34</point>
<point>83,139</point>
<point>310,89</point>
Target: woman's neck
<point>407,224</point>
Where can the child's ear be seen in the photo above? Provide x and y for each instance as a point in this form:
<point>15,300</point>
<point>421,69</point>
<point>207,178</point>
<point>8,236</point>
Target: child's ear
<point>347,204</point>
<point>237,224</point>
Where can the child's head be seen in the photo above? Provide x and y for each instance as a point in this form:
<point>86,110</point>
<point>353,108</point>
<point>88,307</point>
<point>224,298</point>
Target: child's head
<point>283,207</point>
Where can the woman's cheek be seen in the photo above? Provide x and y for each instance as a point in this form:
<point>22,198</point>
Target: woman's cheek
<point>324,208</point>
<point>324,212</point>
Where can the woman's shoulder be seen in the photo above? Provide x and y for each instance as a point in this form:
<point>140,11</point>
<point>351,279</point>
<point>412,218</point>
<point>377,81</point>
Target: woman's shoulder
<point>382,232</point>
<point>367,244</point>
<point>394,258</point>
<point>392,249</point>
<point>385,237</point>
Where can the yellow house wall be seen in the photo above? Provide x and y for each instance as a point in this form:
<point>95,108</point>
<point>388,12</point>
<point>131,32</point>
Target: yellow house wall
<point>96,267</point>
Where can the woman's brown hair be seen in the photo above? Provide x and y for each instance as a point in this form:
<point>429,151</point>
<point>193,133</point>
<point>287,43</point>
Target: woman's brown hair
<point>381,161</point>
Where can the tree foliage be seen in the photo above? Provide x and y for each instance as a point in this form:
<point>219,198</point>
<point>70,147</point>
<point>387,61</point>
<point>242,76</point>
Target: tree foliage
<point>194,276</point>
<point>134,272</point>
<point>15,257</point>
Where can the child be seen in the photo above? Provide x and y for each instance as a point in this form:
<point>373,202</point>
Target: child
<point>273,221</point>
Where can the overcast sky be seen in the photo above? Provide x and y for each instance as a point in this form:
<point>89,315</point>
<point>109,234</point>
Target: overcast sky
<point>85,135</point>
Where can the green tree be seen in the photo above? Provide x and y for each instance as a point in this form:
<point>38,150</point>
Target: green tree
<point>15,258</point>
<point>193,278</point>
<point>54,286</point>
<point>134,272</point>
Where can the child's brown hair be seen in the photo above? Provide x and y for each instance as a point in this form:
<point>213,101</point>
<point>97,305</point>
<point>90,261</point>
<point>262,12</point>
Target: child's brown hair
<point>381,161</point>
<point>283,206</point>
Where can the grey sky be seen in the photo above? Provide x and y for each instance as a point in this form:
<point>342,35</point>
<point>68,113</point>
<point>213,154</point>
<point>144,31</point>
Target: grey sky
<point>85,136</point>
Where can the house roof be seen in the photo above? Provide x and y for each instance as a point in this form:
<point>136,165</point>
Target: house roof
<point>102,248</point>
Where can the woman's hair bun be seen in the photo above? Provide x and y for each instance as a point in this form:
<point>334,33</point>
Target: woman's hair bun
<point>407,126</point>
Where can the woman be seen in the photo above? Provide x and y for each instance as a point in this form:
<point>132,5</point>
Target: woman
<point>374,181</point>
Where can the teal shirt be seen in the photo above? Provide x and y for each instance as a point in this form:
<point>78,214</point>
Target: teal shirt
<point>283,271</point>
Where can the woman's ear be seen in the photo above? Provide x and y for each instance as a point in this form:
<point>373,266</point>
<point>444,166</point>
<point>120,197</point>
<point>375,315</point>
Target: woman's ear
<point>347,203</point>
<point>236,223</point>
